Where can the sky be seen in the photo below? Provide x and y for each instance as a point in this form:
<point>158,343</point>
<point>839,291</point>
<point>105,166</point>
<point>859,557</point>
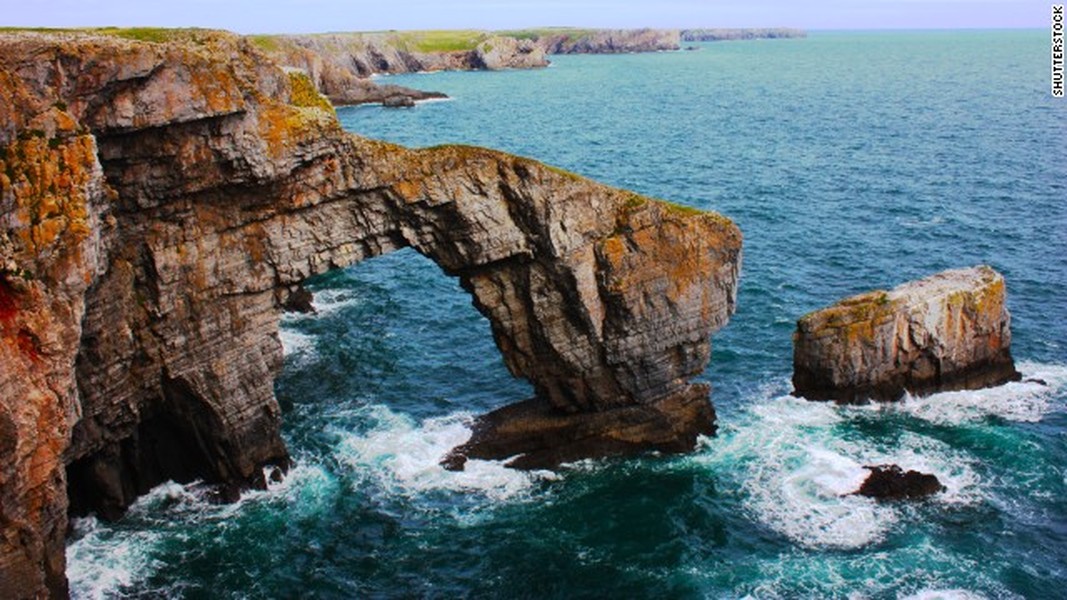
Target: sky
<point>307,16</point>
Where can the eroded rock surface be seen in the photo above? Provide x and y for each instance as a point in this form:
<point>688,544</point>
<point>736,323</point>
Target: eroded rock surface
<point>949,331</point>
<point>160,206</point>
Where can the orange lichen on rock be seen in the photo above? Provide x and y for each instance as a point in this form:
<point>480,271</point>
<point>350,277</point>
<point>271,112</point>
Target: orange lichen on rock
<point>283,126</point>
<point>304,94</point>
<point>47,178</point>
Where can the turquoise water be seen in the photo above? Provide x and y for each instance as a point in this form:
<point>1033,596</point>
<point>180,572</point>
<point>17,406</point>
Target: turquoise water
<point>851,162</point>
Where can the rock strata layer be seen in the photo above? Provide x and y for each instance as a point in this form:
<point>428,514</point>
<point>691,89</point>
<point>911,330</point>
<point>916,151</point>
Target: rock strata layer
<point>161,204</point>
<point>946,332</point>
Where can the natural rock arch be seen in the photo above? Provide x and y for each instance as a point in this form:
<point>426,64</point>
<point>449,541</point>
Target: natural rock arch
<point>163,201</point>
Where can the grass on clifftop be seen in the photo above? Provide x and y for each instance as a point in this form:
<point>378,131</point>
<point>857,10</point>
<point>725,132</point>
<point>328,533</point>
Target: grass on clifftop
<point>571,33</point>
<point>440,40</point>
<point>267,43</point>
<point>141,34</point>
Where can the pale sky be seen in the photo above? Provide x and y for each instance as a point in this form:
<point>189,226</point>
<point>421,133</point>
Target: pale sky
<point>303,16</point>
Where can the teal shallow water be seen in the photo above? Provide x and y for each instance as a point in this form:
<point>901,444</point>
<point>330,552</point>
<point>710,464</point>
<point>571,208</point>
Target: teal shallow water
<point>850,161</point>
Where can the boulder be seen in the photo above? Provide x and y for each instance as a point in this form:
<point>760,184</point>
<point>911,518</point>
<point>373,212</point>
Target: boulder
<point>950,331</point>
<point>890,482</point>
<point>398,102</point>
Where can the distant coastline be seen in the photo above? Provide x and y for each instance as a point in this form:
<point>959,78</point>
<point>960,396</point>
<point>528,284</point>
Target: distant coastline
<point>341,64</point>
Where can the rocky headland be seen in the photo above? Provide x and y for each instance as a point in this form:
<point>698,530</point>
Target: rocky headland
<point>605,41</point>
<point>340,63</point>
<point>726,35</point>
<point>161,200</point>
<point>949,331</point>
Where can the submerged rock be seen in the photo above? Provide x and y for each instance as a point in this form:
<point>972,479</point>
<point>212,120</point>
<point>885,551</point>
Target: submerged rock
<point>398,102</point>
<point>946,332</point>
<point>890,482</point>
<point>299,300</point>
<point>362,91</point>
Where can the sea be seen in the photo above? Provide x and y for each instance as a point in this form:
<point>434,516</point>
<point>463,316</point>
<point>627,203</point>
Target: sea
<point>851,161</point>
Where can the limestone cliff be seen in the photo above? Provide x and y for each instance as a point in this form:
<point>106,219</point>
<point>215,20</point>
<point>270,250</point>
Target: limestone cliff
<point>725,34</point>
<point>160,203</point>
<point>946,332</point>
<point>340,63</point>
<point>608,41</point>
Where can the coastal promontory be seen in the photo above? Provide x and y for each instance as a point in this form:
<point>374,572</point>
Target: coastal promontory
<point>161,201</point>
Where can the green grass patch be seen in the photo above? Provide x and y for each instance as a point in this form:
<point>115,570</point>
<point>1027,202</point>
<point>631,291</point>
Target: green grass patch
<point>682,209</point>
<point>440,40</point>
<point>571,33</point>
<point>267,43</point>
<point>142,34</point>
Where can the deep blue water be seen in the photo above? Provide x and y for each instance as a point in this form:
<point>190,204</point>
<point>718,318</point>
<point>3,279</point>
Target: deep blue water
<point>850,162</point>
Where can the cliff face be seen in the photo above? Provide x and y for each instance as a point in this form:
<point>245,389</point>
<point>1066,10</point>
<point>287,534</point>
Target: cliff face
<point>946,332</point>
<point>340,63</point>
<point>722,35</point>
<point>161,202</point>
<point>610,41</point>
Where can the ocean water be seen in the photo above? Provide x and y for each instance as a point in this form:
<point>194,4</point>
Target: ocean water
<point>851,161</point>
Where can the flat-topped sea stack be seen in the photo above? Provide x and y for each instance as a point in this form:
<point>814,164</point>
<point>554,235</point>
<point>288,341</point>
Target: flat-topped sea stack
<point>161,203</point>
<point>950,331</point>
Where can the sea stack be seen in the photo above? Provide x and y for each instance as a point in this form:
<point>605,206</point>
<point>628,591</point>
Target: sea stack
<point>950,331</point>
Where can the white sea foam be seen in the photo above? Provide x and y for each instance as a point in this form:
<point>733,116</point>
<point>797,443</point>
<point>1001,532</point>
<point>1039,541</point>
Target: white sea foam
<point>101,562</point>
<point>914,223</point>
<point>956,594</point>
<point>295,343</point>
<point>1028,400</point>
<point>404,456</point>
<point>798,471</point>
<point>796,474</point>
<point>435,100</point>
<point>327,302</point>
